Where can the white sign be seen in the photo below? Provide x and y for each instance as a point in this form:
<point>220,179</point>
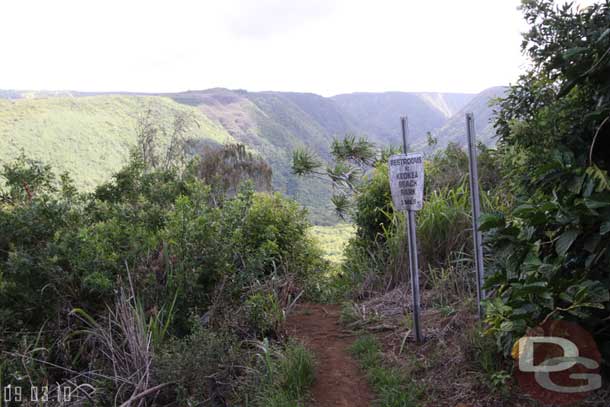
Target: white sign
<point>407,181</point>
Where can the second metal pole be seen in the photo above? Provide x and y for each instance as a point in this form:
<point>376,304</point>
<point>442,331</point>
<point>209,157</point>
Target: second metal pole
<point>476,210</point>
<point>412,243</point>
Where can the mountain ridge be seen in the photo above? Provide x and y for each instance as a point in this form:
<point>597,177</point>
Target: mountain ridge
<point>271,123</point>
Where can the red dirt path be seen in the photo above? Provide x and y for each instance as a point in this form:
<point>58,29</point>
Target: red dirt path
<point>339,380</point>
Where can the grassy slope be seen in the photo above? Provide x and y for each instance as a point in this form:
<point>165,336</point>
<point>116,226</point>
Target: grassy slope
<point>89,137</point>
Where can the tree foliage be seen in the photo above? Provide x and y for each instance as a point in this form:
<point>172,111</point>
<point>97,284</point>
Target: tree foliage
<point>226,167</point>
<point>158,233</point>
<point>352,156</point>
<point>551,252</point>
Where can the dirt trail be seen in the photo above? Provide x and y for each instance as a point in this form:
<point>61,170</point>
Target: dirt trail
<point>339,379</point>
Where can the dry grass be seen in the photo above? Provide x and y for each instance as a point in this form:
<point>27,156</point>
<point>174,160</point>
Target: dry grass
<point>456,365</point>
<point>123,340</point>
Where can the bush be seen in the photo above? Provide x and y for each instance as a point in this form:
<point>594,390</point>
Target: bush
<point>202,365</point>
<point>377,256</point>
<point>264,313</point>
<point>551,257</point>
<point>179,249</point>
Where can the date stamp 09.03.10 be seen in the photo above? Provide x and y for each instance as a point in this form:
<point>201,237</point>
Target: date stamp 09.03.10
<point>14,395</point>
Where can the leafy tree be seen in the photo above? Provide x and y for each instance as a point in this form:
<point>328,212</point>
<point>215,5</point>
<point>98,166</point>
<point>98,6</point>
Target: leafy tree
<point>551,253</point>
<point>353,157</point>
<point>226,167</point>
<point>151,128</point>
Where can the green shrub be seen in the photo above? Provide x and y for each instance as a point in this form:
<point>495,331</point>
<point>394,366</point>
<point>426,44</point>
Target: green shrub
<point>377,256</point>
<point>181,251</point>
<point>264,313</point>
<point>202,365</point>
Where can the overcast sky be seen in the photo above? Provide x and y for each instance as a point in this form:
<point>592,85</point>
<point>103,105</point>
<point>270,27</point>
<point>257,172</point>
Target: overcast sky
<point>320,46</point>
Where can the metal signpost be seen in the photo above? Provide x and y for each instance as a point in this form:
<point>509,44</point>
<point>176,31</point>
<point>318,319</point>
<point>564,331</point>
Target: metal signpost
<point>407,186</point>
<point>476,209</point>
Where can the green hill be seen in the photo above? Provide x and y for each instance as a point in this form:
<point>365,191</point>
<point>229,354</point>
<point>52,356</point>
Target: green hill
<point>90,137</point>
<point>89,134</point>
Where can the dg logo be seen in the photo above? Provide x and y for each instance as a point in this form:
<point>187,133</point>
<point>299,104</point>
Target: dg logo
<point>558,363</point>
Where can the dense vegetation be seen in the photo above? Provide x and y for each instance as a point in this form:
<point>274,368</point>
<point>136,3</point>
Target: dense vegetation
<point>169,283</point>
<point>153,279</point>
<point>551,249</point>
<point>545,194</point>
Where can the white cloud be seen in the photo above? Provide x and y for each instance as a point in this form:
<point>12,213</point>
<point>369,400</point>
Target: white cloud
<point>319,46</point>
<point>265,18</point>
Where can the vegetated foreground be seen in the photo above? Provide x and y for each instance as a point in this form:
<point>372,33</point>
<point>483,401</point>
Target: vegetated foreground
<point>339,380</point>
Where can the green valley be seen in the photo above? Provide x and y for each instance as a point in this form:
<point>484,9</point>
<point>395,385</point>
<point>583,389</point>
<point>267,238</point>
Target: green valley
<point>89,134</point>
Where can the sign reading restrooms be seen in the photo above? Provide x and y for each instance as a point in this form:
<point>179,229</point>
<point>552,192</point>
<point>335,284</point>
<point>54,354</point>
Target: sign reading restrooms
<point>407,181</point>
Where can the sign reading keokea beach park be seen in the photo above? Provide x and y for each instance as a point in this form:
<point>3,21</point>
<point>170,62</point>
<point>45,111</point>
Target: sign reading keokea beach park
<point>407,181</point>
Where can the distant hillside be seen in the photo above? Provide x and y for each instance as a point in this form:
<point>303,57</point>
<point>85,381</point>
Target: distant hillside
<point>90,137</point>
<point>89,133</point>
<point>454,130</point>
<point>378,114</point>
<point>274,124</point>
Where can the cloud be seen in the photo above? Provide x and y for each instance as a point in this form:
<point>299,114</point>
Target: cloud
<point>261,19</point>
<point>322,46</point>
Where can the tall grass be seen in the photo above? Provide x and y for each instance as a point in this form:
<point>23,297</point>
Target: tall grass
<point>289,374</point>
<point>125,340</point>
<point>444,225</point>
<point>393,387</point>
<point>444,237</point>
<point>453,282</point>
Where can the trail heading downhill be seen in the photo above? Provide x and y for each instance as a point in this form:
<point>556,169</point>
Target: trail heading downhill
<point>339,380</point>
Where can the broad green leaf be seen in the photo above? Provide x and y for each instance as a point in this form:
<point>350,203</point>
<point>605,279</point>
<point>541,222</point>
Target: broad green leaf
<point>523,210</point>
<point>576,184</point>
<point>507,326</point>
<point>490,220</point>
<point>525,309</point>
<point>564,242</point>
<point>604,228</point>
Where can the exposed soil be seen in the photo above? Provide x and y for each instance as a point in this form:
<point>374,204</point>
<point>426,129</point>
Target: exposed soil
<point>339,379</point>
